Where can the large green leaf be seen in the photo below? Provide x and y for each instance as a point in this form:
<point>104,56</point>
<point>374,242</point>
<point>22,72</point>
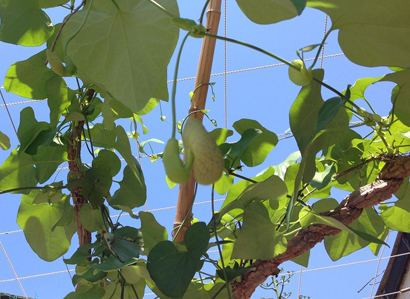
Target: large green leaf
<point>28,78</point>
<point>371,33</point>
<point>152,231</point>
<point>260,146</point>
<point>47,159</point>
<point>345,243</point>
<point>29,128</point>
<point>259,238</point>
<point>171,269</point>
<point>18,171</point>
<point>131,193</point>
<point>24,23</point>
<point>272,188</point>
<point>397,217</point>
<point>401,100</point>
<point>124,46</point>
<point>58,98</point>
<point>37,221</point>
<point>271,11</point>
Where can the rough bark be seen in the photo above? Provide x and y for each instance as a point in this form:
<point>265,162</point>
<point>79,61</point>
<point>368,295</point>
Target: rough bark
<point>388,182</point>
<point>74,158</point>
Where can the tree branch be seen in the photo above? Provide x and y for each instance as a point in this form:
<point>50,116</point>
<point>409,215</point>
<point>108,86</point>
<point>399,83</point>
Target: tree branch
<point>388,182</point>
<point>74,157</point>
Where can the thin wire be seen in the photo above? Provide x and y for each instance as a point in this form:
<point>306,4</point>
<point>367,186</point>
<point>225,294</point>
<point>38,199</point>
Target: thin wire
<point>37,275</point>
<point>300,281</point>
<point>378,265</point>
<point>226,64</point>
<point>323,48</point>
<point>126,214</point>
<point>344,265</point>
<point>23,102</point>
<point>193,78</point>
<point>8,112</point>
<point>14,271</point>
<point>402,291</point>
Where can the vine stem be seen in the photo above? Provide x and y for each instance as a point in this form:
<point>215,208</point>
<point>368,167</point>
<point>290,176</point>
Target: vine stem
<point>281,60</point>
<point>174,88</point>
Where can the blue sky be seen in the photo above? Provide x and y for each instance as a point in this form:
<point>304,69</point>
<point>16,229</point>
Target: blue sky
<point>264,94</point>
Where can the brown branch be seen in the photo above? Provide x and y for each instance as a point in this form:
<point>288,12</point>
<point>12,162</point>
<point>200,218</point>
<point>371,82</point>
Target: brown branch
<point>389,181</point>
<point>74,158</point>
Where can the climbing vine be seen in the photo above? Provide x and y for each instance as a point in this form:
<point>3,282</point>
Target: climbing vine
<point>106,63</point>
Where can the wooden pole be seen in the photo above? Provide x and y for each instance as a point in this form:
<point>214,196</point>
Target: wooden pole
<point>186,190</point>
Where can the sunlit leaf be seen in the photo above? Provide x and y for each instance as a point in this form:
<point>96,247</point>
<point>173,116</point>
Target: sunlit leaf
<point>152,231</point>
<point>24,23</point>
<point>28,78</point>
<point>37,220</point>
<point>124,31</point>
<point>18,171</point>
<point>258,238</point>
<point>371,33</point>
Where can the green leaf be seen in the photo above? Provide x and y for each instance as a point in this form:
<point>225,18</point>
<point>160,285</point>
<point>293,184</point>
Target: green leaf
<point>47,160</point>
<point>24,23</point>
<point>322,179</point>
<point>108,160</point>
<point>139,28</point>
<point>371,33</point>
<point>345,243</point>
<point>28,78</point>
<point>112,264</point>
<point>259,148</point>
<point>29,128</point>
<point>401,101</point>
<point>131,193</point>
<point>220,135</point>
<point>258,238</point>
<point>103,137</point>
<point>51,3</point>
<point>272,188</point>
<point>91,219</point>
<point>128,243</point>
<point>37,220</point>
<point>280,169</point>
<point>58,98</point>
<point>327,112</point>
<point>171,269</point>
<point>397,217</point>
<point>224,183</point>
<point>303,114</point>
<point>18,171</point>
<point>152,231</point>
<point>4,141</point>
<point>122,145</point>
<point>50,194</point>
<point>95,292</point>
<point>237,148</point>
<point>271,11</point>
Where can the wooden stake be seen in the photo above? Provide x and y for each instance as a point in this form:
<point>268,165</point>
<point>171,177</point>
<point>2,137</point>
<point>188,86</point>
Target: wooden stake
<point>186,190</point>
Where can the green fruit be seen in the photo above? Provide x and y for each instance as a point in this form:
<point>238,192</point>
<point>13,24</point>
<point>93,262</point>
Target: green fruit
<point>56,63</point>
<point>177,171</point>
<point>70,67</point>
<point>301,77</point>
<point>376,117</point>
<point>208,160</point>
